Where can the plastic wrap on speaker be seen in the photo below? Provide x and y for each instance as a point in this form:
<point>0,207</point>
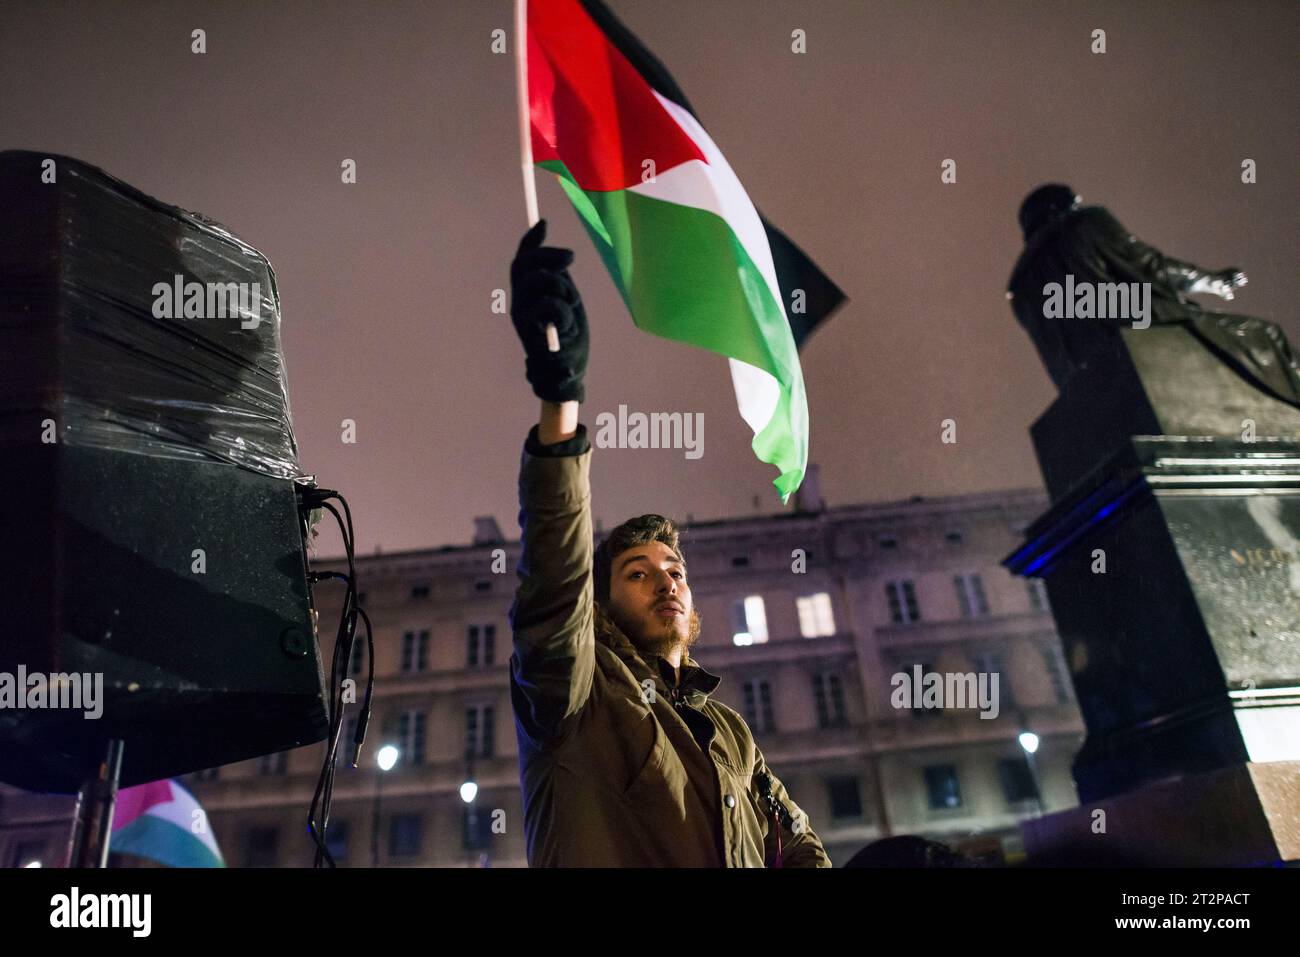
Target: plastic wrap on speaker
<point>130,324</point>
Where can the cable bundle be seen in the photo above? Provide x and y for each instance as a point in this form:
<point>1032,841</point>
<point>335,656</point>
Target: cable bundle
<point>318,817</point>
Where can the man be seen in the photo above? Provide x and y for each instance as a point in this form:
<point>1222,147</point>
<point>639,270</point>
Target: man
<point>1087,242</point>
<point>625,760</point>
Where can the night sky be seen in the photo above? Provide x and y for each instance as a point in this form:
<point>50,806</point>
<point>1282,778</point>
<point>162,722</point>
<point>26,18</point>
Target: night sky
<point>386,285</point>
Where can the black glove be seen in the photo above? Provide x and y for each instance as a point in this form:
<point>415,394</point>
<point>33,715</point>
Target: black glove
<point>542,292</point>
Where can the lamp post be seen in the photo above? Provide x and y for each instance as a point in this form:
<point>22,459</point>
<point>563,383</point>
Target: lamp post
<point>468,792</point>
<point>385,759</point>
<point>1029,744</point>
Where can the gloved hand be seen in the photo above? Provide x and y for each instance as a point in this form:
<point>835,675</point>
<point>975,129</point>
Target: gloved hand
<point>541,291</point>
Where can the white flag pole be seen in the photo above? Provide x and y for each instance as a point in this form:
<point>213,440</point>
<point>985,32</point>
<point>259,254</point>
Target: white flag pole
<point>525,136</point>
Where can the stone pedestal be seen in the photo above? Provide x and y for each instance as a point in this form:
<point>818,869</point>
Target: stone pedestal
<point>1247,815</point>
<point>1173,578</point>
<point>1171,555</point>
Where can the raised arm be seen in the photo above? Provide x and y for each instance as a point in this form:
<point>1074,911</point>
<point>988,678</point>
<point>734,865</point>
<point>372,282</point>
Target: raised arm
<point>554,656</point>
<point>1184,277</point>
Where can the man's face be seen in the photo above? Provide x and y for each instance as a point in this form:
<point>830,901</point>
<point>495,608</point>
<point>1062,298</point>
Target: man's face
<point>650,601</point>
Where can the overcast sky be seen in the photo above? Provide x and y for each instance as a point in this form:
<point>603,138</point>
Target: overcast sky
<point>386,285</point>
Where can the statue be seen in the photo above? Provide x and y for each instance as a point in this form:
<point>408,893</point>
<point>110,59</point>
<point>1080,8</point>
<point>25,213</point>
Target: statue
<point>1086,248</point>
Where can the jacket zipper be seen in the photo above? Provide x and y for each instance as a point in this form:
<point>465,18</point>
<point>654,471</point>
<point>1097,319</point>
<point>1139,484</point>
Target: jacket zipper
<point>675,695</point>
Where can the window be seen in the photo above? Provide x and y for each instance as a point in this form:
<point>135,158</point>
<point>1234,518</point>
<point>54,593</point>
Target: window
<point>917,710</point>
<point>25,852</point>
<point>758,706</point>
<point>207,774</point>
<point>740,561</point>
<point>276,763</point>
<point>887,541</point>
<point>954,538</point>
<point>336,839</point>
<point>419,591</point>
<point>404,832</point>
<point>845,798</point>
<point>410,737</point>
<point>483,584</point>
<point>481,645</point>
<point>815,615</point>
<point>415,652</point>
<point>902,602</point>
<point>941,785</point>
<point>262,848</point>
<point>478,731</point>
<point>1060,687</point>
<point>993,663</point>
<point>970,595</point>
<point>748,620</point>
<point>476,828</point>
<point>828,694</point>
<point>1017,780</point>
<point>1037,589</point>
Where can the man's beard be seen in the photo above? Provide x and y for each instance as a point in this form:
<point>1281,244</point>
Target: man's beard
<point>665,641</point>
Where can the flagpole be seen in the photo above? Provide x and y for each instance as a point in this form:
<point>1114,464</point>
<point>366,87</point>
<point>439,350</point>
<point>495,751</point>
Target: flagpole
<point>526,138</point>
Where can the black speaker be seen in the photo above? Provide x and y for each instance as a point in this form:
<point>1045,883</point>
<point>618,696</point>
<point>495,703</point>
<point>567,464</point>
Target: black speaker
<point>150,532</point>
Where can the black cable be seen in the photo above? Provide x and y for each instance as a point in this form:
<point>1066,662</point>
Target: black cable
<point>318,816</point>
<point>360,736</point>
<point>342,654</point>
<point>317,831</point>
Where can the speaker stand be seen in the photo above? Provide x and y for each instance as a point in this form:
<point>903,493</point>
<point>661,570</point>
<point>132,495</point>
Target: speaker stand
<point>93,820</point>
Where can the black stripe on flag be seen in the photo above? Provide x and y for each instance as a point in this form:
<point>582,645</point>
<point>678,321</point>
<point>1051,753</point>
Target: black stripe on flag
<point>794,270</point>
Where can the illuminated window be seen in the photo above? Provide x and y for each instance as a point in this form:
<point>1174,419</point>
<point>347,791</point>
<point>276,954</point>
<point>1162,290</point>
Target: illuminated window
<point>816,618</point>
<point>749,621</point>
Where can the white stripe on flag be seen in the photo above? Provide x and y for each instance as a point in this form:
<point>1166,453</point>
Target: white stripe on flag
<point>713,186</point>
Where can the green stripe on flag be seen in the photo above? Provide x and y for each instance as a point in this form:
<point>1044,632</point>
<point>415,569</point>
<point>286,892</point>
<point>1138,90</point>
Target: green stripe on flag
<point>158,840</point>
<point>685,276</point>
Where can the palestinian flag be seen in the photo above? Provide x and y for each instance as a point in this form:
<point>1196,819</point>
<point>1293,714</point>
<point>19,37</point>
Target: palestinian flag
<point>157,821</point>
<point>691,256</point>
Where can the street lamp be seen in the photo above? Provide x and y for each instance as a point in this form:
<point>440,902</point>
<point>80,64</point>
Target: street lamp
<point>1029,744</point>
<point>385,760</point>
<point>468,792</point>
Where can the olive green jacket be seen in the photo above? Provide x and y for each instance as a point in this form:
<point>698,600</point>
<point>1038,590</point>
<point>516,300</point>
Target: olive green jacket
<point>618,768</point>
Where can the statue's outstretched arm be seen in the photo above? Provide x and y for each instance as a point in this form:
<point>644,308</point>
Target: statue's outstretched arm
<point>1183,276</point>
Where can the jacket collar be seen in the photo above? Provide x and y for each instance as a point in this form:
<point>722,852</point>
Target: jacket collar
<point>696,683</point>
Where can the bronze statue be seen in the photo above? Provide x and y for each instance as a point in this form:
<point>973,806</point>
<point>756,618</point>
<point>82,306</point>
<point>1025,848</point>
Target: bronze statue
<point>1069,247</point>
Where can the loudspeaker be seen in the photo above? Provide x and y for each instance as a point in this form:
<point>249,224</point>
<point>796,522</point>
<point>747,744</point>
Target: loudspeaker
<point>152,538</point>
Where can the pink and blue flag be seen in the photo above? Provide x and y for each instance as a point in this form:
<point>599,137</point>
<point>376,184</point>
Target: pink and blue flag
<point>162,822</point>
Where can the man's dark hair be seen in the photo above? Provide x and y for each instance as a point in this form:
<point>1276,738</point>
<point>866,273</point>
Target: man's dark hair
<point>635,531</point>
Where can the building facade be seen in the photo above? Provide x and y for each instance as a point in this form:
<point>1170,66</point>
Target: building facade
<point>818,620</point>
